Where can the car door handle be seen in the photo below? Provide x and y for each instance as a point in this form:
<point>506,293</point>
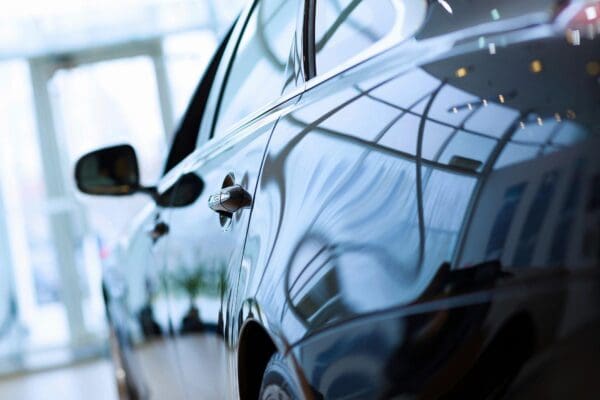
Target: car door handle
<point>230,199</point>
<point>159,230</point>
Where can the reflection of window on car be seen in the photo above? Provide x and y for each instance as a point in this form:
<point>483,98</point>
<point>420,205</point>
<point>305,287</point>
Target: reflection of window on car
<point>344,28</point>
<point>257,74</point>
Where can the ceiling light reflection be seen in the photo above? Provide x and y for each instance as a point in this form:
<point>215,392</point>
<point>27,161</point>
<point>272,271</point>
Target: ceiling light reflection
<point>593,68</point>
<point>591,13</point>
<point>461,72</point>
<point>536,66</point>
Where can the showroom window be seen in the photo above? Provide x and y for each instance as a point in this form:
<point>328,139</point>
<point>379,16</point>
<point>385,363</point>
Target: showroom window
<point>257,75</point>
<point>67,99</point>
<point>345,28</point>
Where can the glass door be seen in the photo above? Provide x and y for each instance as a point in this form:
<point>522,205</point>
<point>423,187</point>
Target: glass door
<point>53,241</point>
<point>98,104</point>
<point>33,318</point>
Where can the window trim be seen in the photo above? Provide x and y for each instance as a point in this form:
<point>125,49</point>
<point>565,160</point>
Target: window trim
<point>282,98</point>
<point>388,42</point>
<point>308,40</point>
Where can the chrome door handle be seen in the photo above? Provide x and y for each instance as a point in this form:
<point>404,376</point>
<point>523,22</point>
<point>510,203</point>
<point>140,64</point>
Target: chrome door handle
<point>159,230</point>
<point>230,200</point>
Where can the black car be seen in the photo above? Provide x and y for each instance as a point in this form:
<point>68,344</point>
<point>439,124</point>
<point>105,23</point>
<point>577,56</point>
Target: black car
<point>371,199</point>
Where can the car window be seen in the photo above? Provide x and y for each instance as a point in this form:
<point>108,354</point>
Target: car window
<point>186,134</point>
<point>345,28</point>
<point>257,73</point>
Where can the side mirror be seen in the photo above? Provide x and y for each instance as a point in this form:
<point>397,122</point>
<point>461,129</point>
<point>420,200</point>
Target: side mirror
<point>111,171</point>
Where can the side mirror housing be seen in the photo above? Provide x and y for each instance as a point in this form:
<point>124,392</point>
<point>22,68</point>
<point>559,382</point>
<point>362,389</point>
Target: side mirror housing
<point>111,171</point>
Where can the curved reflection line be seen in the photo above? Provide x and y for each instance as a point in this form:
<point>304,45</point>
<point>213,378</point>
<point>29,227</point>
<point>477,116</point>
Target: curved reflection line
<point>286,278</point>
<point>457,129</point>
<point>321,250</point>
<point>344,14</point>
<point>356,25</point>
<point>419,172</point>
<point>269,53</point>
<point>446,143</point>
<point>337,249</point>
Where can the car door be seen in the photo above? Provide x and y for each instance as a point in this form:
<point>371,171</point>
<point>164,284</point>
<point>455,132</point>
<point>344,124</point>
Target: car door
<point>202,253</point>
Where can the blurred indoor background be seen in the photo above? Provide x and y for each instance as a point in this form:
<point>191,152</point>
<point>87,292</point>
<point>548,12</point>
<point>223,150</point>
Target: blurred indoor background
<point>76,75</point>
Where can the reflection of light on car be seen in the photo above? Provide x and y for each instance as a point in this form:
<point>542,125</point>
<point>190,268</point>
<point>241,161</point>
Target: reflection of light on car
<point>591,13</point>
<point>536,66</point>
<point>495,14</point>
<point>593,68</point>
<point>461,72</point>
<point>445,5</point>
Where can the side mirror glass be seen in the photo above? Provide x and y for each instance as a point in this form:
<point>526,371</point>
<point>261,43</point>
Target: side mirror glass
<point>111,171</point>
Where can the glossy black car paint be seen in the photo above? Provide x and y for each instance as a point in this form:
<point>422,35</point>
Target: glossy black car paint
<point>425,221</point>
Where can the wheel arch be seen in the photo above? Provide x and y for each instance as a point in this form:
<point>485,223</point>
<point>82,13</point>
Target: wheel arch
<point>255,348</point>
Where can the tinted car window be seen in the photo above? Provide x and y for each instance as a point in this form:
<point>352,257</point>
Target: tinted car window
<point>344,28</point>
<point>187,132</point>
<point>257,74</point>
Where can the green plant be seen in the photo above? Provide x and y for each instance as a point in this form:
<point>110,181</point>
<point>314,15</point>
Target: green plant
<point>191,281</point>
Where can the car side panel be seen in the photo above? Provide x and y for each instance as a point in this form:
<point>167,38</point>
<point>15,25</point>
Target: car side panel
<point>378,247</point>
<point>138,313</point>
